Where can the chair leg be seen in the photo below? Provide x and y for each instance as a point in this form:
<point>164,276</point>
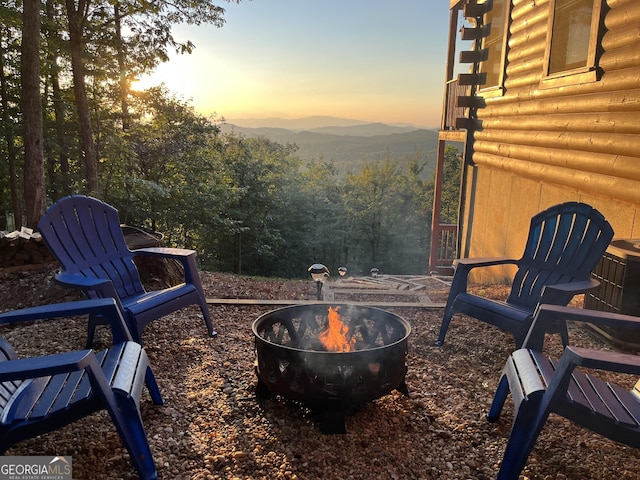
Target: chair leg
<point>128,422</point>
<point>192,276</point>
<point>564,333</point>
<point>91,330</point>
<point>125,414</point>
<point>446,320</point>
<point>525,431</point>
<point>152,386</point>
<point>519,338</point>
<point>207,318</point>
<point>498,399</point>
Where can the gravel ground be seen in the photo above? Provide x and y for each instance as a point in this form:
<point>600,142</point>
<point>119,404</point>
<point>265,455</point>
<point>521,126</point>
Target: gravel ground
<point>214,427</point>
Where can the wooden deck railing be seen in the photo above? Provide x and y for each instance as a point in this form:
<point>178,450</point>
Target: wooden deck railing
<point>444,249</point>
<point>452,111</point>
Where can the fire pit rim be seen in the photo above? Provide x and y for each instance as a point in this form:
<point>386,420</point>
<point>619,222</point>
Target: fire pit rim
<point>402,321</point>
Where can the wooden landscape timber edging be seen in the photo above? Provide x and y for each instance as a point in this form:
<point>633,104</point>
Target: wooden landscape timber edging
<point>254,301</point>
<point>359,287</point>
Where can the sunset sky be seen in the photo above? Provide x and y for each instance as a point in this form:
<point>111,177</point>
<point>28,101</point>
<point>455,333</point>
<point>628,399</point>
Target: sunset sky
<point>370,60</point>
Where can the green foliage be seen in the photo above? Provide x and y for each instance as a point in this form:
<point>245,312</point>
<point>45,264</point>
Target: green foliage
<point>388,227</point>
<point>251,206</point>
<point>450,199</point>
<point>165,176</point>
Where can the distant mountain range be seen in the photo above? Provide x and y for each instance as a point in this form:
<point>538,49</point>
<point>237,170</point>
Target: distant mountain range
<point>310,123</point>
<point>348,143</point>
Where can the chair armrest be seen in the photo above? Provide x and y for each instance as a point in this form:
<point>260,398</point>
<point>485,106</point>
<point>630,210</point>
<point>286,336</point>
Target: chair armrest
<point>104,307</point>
<point>548,315</point>
<point>469,263</point>
<point>80,281</point>
<point>555,312</point>
<point>164,252</point>
<point>186,257</point>
<point>561,293</point>
<point>92,287</point>
<point>603,360</point>
<point>24,368</point>
<point>464,265</point>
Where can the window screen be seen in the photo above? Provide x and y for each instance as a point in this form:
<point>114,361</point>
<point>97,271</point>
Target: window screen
<point>494,42</point>
<point>571,35</point>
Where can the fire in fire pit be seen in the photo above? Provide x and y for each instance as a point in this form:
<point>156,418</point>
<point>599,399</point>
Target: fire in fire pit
<point>335,336</point>
<point>331,359</point>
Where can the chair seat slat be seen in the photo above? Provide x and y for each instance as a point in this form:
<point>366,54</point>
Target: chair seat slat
<point>110,361</point>
<point>83,389</point>
<point>545,365</point>
<point>128,369</point>
<point>599,398</point>
<point>627,402</point>
<point>51,393</point>
<point>7,389</point>
<point>21,403</point>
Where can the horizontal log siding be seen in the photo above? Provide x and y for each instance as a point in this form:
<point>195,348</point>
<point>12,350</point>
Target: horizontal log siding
<point>526,44</point>
<point>585,137</point>
<point>622,13</point>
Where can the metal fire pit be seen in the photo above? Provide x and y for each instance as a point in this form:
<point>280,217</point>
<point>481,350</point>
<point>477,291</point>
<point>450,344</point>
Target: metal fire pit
<point>292,362</point>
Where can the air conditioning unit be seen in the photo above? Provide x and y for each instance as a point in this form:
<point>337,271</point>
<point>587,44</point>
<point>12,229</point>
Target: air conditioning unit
<point>619,275</point>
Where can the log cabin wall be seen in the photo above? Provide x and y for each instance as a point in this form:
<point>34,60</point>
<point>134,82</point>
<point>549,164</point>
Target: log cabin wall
<point>545,144</point>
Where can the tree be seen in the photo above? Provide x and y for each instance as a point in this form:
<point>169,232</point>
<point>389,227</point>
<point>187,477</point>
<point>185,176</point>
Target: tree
<point>149,37</point>
<point>323,215</point>
<point>167,166</point>
<point>57,146</point>
<point>32,113</point>
<point>367,205</point>
<point>409,240</point>
<point>77,17</point>
<point>261,175</point>
<point>9,104</point>
<point>100,51</point>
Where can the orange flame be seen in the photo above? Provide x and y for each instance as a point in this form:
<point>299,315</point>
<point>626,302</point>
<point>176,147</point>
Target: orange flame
<point>334,338</point>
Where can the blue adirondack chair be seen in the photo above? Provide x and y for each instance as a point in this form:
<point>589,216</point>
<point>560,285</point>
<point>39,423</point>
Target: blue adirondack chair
<point>540,385</point>
<point>565,243</point>
<point>85,235</point>
<point>41,394</point>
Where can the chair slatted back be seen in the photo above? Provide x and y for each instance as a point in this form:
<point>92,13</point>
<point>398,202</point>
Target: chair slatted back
<point>564,245</point>
<point>85,235</point>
